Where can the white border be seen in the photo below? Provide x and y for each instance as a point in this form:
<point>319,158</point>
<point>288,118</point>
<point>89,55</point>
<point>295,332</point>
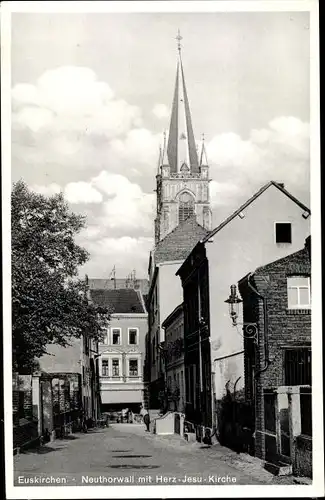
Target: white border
<point>317,489</point>
<point>163,6</point>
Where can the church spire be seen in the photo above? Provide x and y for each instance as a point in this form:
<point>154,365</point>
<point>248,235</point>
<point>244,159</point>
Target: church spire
<point>203,156</point>
<point>181,146</point>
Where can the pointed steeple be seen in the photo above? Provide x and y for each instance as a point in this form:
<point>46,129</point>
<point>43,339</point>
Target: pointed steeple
<point>181,148</point>
<point>203,156</point>
<point>159,160</point>
<point>164,160</point>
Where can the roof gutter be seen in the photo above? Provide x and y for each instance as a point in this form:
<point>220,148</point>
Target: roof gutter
<point>266,326</point>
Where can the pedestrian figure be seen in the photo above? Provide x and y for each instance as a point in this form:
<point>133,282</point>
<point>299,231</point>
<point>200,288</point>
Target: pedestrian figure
<point>84,427</point>
<point>146,418</point>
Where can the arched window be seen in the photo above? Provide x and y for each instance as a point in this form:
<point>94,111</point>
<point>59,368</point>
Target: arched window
<point>186,206</point>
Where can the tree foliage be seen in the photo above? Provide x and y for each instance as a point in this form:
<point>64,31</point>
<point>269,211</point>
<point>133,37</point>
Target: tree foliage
<point>49,302</point>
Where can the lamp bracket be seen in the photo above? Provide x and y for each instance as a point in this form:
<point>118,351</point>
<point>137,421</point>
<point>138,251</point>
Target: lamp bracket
<point>250,330</point>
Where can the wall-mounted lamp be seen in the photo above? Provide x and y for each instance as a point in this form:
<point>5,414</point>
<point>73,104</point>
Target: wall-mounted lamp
<point>233,302</point>
<point>250,330</point>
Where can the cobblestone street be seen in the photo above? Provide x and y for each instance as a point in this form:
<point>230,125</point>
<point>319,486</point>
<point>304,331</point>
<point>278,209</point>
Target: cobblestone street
<point>126,454</point>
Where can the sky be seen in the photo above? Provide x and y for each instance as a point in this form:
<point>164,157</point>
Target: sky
<point>91,98</point>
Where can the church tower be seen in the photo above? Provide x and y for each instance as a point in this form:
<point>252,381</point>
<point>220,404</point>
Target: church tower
<point>182,177</point>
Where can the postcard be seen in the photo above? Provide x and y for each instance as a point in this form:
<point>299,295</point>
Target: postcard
<point>161,241</point>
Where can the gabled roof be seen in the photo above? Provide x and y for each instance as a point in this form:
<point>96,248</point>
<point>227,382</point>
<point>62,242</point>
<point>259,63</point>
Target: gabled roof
<point>174,314</point>
<point>303,253</point>
<point>178,243</point>
<point>249,201</point>
<point>121,300</point>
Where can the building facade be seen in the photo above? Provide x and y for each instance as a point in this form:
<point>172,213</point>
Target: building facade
<point>174,360</point>
<point>121,354</point>
<point>77,361</point>
<point>277,299</point>
<point>270,225</point>
<point>166,291</point>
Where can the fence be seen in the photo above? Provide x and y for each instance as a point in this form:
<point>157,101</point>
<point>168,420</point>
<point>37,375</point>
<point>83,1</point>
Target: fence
<point>45,405</point>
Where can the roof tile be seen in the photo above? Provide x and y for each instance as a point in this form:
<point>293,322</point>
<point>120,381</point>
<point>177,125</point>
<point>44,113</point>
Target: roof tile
<point>119,300</point>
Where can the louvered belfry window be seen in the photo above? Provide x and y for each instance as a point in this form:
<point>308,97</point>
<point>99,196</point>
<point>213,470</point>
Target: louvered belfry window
<point>186,206</point>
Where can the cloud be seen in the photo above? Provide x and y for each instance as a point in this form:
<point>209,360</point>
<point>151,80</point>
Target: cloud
<point>82,192</point>
<point>278,152</point>
<point>70,98</point>
<point>123,205</point>
<point>223,193</point>
<point>71,121</point>
<point>74,192</point>
<point>160,111</point>
<point>126,253</point>
<point>127,207</point>
<point>49,190</point>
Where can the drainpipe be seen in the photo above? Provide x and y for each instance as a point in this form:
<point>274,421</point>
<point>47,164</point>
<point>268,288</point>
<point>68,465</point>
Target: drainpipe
<point>266,336</point>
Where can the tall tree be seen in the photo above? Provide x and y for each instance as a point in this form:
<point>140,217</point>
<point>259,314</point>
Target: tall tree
<point>49,303</point>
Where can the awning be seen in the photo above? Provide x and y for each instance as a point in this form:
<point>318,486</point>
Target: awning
<point>120,396</point>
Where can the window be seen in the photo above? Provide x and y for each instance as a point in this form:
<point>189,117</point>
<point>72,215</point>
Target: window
<point>116,336</point>
<point>298,292</point>
<point>133,367</point>
<point>186,206</point>
<point>297,366</point>
<point>283,232</point>
<point>133,333</point>
<point>105,367</point>
<point>115,367</point>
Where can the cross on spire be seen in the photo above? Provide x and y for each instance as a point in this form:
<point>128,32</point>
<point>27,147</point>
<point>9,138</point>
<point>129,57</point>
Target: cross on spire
<point>179,38</point>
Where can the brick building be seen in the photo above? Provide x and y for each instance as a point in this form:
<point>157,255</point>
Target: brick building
<point>174,359</point>
<point>276,297</point>
<point>121,354</point>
